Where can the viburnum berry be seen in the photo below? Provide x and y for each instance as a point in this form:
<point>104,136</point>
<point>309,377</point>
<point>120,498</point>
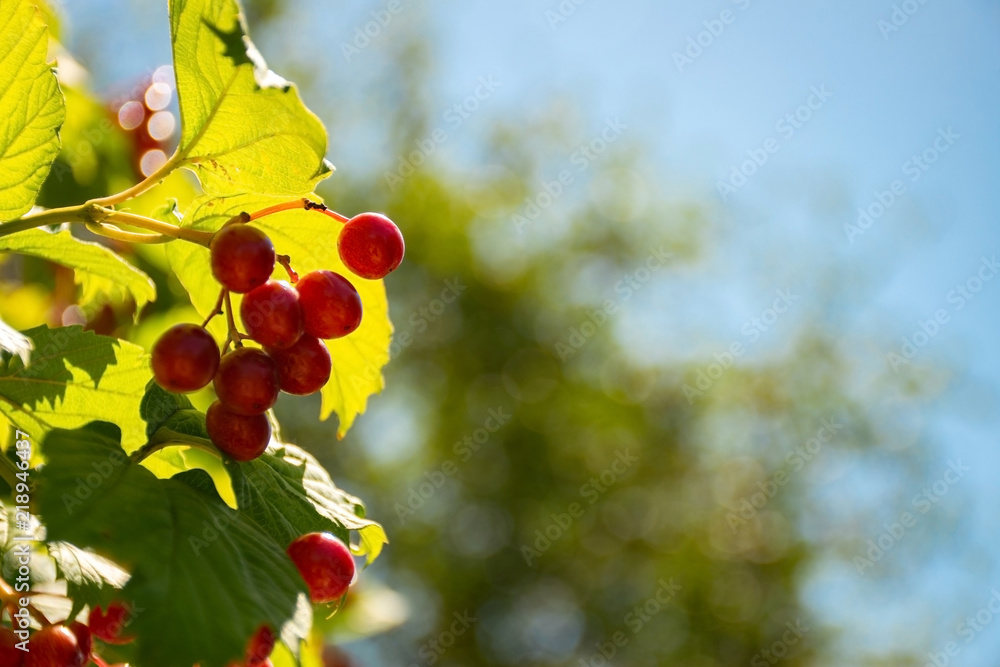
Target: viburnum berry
<point>54,646</point>
<point>325,563</point>
<point>371,245</point>
<point>272,315</point>
<point>109,626</point>
<point>331,306</point>
<point>303,368</point>
<point>242,437</point>
<point>242,257</point>
<point>185,358</point>
<point>260,647</point>
<point>247,381</point>
<point>83,637</point>
<point>9,653</point>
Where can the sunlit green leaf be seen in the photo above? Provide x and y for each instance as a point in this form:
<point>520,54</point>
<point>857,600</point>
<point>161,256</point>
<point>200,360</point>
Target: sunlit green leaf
<point>31,107</point>
<point>75,377</point>
<point>101,273</point>
<point>243,128</point>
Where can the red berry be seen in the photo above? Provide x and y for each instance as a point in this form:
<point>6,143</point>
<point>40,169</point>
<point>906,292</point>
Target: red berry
<point>303,368</point>
<point>241,437</point>
<point>54,646</point>
<point>247,381</point>
<point>272,315</point>
<point>325,564</point>
<point>9,654</point>
<point>242,257</point>
<point>83,638</point>
<point>109,626</point>
<point>331,306</point>
<point>185,358</point>
<point>370,245</point>
<point>260,647</point>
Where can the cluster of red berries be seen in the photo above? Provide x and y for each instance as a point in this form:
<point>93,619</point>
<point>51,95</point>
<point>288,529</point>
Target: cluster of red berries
<point>72,644</point>
<point>290,323</point>
<point>324,562</point>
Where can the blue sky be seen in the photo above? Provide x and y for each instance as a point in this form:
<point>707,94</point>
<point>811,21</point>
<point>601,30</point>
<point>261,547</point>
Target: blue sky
<point>892,93</point>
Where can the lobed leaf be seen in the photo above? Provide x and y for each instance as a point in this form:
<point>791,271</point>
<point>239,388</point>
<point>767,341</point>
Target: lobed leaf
<point>203,577</point>
<point>243,128</point>
<point>31,107</point>
<point>288,493</point>
<point>101,273</point>
<point>75,377</point>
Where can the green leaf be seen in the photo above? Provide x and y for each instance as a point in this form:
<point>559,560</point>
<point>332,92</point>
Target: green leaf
<point>31,107</point>
<point>204,577</point>
<point>310,239</point>
<point>75,377</point>
<point>288,493</point>
<point>90,579</point>
<point>101,273</point>
<point>243,128</point>
<point>159,405</point>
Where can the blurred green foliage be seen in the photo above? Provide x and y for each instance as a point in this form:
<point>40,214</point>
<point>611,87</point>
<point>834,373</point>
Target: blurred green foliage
<point>598,517</point>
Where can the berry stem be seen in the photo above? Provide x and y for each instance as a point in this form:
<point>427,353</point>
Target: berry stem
<point>235,337</point>
<point>113,232</point>
<point>93,214</point>
<point>298,204</point>
<point>217,310</point>
<point>143,185</point>
<point>286,262</point>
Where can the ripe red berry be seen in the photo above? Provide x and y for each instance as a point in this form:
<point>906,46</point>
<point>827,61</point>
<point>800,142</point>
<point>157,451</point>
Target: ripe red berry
<point>325,564</point>
<point>109,626</point>
<point>371,245</point>
<point>242,257</point>
<point>303,368</point>
<point>247,381</point>
<point>185,358</point>
<point>260,647</point>
<point>241,437</point>
<point>83,637</point>
<point>331,306</point>
<point>9,653</point>
<point>54,646</point>
<point>272,315</point>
